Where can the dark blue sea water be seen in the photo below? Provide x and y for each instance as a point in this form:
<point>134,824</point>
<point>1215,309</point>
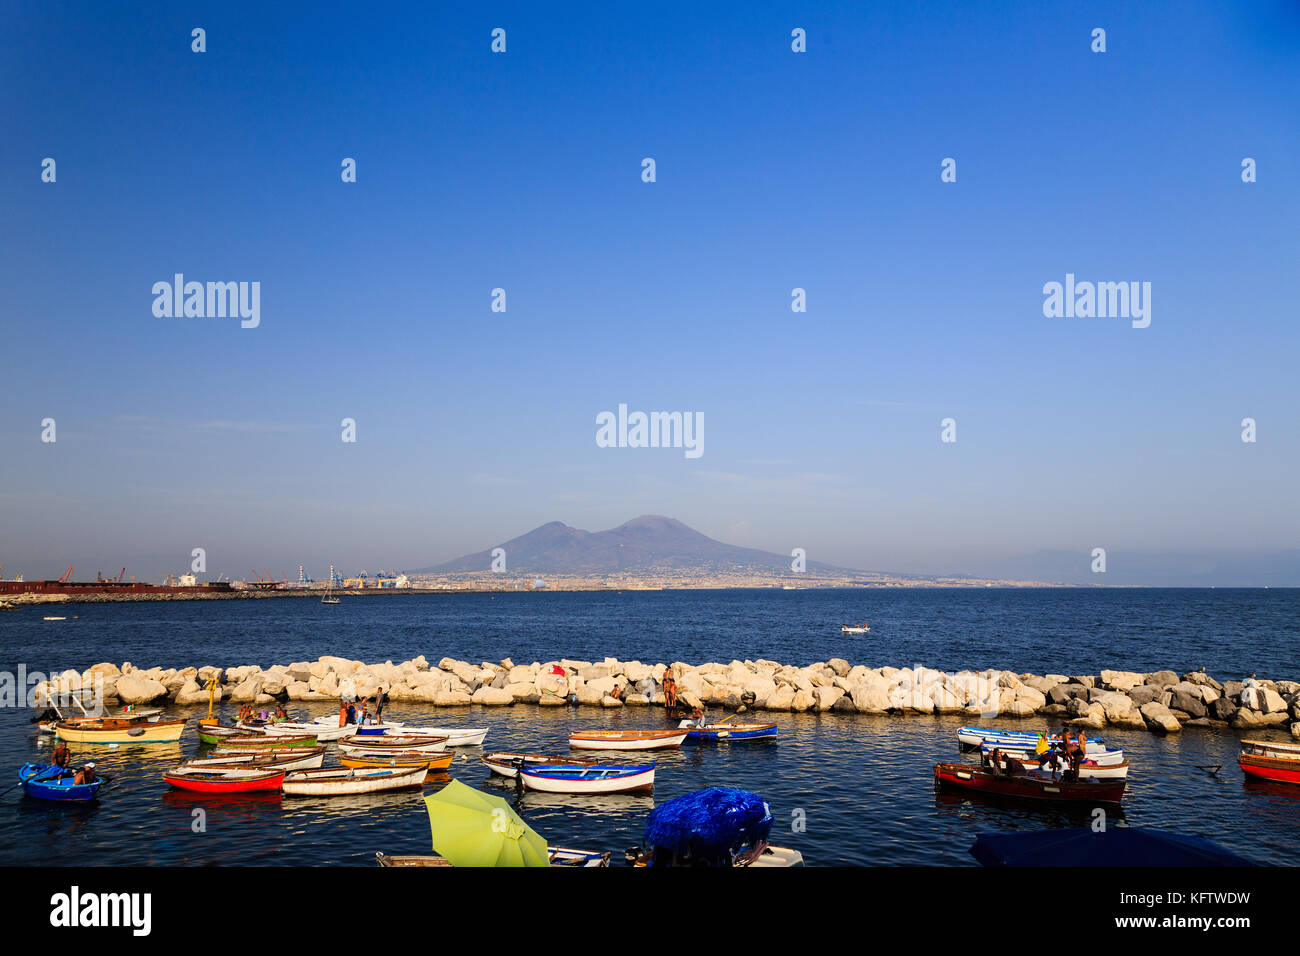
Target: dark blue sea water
<point>845,789</point>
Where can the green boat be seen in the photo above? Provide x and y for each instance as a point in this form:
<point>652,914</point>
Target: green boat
<point>246,739</point>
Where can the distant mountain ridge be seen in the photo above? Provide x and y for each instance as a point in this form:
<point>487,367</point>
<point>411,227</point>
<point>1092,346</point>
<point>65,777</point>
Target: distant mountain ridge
<point>644,543</point>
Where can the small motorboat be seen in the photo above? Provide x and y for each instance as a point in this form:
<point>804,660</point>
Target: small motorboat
<point>627,739</point>
<point>225,779</point>
<point>52,782</point>
<point>558,855</point>
<point>728,731</point>
<point>849,629</point>
<point>335,782</point>
<point>1027,787</point>
<point>507,764</point>
<point>396,744</point>
<point>598,778</point>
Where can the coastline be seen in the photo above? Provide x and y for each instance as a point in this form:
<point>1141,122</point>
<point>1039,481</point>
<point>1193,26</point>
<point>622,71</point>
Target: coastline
<point>1162,702</point>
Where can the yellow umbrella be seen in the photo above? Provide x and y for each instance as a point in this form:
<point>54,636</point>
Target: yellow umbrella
<point>474,829</point>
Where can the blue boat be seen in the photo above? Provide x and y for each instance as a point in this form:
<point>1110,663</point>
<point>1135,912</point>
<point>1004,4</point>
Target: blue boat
<point>51,782</point>
<point>727,731</point>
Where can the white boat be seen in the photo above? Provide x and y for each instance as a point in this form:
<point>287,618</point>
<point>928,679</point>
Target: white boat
<point>387,745</point>
<point>456,737</point>
<point>627,739</point>
<point>588,780</point>
<point>973,737</point>
<point>294,759</point>
<point>1099,756</point>
<point>341,782</point>
<point>507,764</point>
<point>1090,770</point>
<point>846,629</point>
<point>778,856</point>
<point>322,731</point>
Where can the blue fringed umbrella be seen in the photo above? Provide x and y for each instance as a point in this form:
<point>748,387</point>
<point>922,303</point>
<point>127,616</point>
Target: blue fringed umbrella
<point>707,825</point>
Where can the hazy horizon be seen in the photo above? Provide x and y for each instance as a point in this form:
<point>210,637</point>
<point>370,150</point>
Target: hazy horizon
<point>775,171</point>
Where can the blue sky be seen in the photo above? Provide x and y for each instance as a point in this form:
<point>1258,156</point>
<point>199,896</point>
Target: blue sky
<point>522,171</point>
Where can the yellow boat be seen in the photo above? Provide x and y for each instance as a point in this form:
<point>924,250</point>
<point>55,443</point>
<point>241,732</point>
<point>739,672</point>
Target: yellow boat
<point>111,731</point>
<point>434,761</point>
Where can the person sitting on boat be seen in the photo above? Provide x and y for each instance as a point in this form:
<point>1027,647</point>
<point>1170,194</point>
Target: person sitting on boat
<point>279,713</point>
<point>61,755</point>
<point>85,775</point>
<point>697,715</point>
<point>1042,746</point>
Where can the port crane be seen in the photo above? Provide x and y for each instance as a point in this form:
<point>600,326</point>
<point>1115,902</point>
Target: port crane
<point>66,574</point>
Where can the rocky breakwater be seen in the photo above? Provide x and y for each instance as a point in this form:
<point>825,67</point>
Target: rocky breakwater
<point>1162,702</point>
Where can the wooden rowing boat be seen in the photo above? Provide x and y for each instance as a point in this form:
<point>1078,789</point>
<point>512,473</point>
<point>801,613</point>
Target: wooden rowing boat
<point>558,855</point>
<point>728,731</point>
<point>507,764</point>
<point>975,737</point>
<point>334,782</point>
<point>293,758</point>
<point>399,744</point>
<point>1264,748</point>
<point>1088,770</point>
<point>598,778</point>
<point>1274,769</point>
<point>214,734</point>
<point>977,779</point>
<point>152,732</point>
<point>456,736</point>
<point>434,761</point>
<point>225,780</point>
<point>627,739</point>
<point>322,732</point>
<point>268,742</point>
<point>51,782</point>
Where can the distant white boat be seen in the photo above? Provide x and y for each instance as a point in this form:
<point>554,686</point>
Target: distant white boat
<point>846,629</point>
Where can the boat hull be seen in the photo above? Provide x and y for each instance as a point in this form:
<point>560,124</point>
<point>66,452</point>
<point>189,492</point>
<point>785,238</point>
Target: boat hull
<point>292,759</point>
<point>344,783</point>
<point>729,732</point>
<point>369,746</point>
<point>975,737</point>
<point>61,789</point>
<point>504,764</point>
<point>456,737</point>
<point>430,761</point>
<point>264,741</point>
<point>627,740</point>
<point>237,780</point>
<point>155,732</point>
<point>1274,769</point>
<point>1031,788</point>
<point>589,780</point>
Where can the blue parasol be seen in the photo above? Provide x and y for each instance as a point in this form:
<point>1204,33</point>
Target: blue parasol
<point>711,823</point>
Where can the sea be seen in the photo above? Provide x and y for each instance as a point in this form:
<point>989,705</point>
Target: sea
<point>845,790</point>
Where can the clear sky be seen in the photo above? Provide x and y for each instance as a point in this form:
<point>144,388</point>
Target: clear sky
<point>523,171</point>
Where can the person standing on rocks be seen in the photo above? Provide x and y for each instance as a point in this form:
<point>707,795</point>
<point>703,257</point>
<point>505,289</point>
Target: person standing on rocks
<point>670,691</point>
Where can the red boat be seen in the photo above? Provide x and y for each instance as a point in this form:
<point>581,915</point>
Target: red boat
<point>965,776</point>
<point>1277,769</point>
<point>225,780</point>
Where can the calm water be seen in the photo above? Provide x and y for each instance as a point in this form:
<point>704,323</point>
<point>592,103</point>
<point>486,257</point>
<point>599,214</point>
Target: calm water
<point>862,785</point>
